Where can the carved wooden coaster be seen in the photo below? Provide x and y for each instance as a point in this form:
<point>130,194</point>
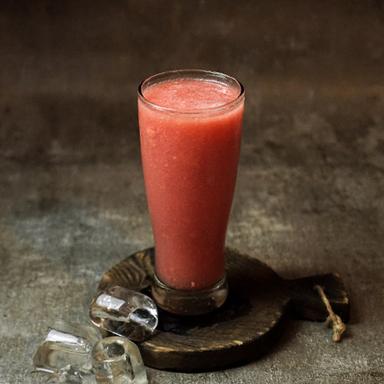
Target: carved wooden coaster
<point>245,327</point>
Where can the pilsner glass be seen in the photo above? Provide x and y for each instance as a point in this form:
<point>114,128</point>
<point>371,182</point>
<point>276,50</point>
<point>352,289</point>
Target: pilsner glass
<point>190,132</point>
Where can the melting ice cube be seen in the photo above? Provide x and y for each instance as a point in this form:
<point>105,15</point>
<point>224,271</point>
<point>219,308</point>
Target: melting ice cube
<point>117,360</point>
<point>124,312</point>
<point>66,352</point>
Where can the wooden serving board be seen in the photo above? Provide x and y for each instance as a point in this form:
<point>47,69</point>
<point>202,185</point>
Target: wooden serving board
<point>244,328</point>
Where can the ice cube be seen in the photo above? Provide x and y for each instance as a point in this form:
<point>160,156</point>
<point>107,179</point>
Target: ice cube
<point>66,352</point>
<point>70,376</point>
<point>116,360</point>
<point>124,312</point>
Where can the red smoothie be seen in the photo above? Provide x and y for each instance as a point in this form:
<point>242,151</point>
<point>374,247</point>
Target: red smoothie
<point>190,132</point>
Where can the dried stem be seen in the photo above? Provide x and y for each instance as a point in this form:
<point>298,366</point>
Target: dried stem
<point>338,327</point>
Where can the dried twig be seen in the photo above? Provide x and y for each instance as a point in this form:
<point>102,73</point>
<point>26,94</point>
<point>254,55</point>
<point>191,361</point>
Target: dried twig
<point>338,327</point>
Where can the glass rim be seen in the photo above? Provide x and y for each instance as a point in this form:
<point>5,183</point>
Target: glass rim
<point>197,111</point>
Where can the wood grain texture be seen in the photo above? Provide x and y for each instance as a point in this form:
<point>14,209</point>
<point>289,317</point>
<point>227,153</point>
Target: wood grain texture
<point>243,329</point>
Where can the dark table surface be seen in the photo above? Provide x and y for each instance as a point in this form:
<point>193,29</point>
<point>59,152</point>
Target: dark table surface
<point>310,192</point>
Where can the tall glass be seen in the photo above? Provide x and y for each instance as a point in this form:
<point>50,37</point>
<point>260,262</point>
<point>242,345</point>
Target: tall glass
<point>190,132</point>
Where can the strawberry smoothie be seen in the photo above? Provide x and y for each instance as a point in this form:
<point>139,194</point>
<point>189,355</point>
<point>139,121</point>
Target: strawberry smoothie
<point>190,133</point>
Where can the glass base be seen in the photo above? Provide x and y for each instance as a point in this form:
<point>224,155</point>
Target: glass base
<point>189,302</point>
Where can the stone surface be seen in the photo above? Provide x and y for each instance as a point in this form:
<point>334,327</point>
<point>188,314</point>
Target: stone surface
<point>310,192</point>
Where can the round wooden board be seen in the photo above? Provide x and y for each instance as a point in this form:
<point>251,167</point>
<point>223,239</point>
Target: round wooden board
<point>241,330</point>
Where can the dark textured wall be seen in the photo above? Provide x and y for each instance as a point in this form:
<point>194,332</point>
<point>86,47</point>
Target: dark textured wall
<point>69,70</point>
